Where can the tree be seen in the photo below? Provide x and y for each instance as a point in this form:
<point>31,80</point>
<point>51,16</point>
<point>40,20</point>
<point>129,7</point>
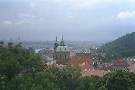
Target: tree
<point>14,60</point>
<point>88,83</point>
<point>66,78</point>
<point>122,47</point>
<point>24,82</point>
<point>119,80</point>
<point>45,80</point>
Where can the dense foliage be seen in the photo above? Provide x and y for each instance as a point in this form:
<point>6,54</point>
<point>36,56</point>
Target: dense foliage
<point>122,47</point>
<point>21,69</point>
<point>17,60</point>
<point>119,80</point>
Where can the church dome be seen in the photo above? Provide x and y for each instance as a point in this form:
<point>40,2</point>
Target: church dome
<point>62,49</point>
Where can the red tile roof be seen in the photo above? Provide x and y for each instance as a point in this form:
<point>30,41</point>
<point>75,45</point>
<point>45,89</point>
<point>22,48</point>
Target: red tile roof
<point>120,62</point>
<point>83,60</point>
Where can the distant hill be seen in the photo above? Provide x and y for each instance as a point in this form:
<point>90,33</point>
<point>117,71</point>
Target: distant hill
<point>121,47</point>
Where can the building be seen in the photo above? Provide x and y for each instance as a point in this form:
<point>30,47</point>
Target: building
<point>61,52</point>
<point>46,54</point>
<point>131,63</point>
<point>120,64</point>
<point>84,60</point>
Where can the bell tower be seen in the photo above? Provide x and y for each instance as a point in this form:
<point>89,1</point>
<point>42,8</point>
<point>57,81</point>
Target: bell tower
<point>56,44</point>
<point>61,52</point>
<point>62,42</point>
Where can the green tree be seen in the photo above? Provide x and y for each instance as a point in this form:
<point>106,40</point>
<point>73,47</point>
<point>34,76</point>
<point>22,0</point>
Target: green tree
<point>46,80</point>
<point>17,68</point>
<point>66,78</point>
<point>88,83</point>
<point>24,82</point>
<point>119,80</point>
<point>122,47</point>
<point>14,60</point>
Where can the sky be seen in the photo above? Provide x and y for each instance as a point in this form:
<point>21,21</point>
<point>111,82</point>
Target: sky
<point>80,20</point>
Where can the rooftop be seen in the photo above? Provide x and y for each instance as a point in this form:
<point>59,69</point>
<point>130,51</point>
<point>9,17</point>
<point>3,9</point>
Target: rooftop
<point>62,49</point>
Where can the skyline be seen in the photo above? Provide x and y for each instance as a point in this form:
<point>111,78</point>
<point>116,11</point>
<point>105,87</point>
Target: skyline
<point>76,20</point>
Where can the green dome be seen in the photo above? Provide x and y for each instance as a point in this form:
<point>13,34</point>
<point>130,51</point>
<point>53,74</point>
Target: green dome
<point>62,49</point>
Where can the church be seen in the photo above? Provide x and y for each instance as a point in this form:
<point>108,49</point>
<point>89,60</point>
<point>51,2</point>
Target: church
<point>61,52</point>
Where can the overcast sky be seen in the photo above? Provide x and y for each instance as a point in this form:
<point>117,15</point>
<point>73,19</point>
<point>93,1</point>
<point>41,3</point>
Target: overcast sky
<point>89,20</point>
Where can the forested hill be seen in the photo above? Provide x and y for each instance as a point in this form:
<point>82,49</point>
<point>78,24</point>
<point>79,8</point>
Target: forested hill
<point>121,47</point>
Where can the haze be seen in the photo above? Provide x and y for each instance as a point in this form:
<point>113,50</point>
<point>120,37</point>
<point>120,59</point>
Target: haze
<point>88,20</point>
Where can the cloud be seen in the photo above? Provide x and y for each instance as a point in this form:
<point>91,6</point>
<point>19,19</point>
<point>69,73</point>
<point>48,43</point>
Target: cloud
<point>26,16</point>
<point>25,21</point>
<point>132,1</point>
<point>86,17</point>
<point>126,15</point>
<point>7,22</point>
<point>78,3</point>
<point>16,23</point>
<point>32,4</point>
<point>84,3</point>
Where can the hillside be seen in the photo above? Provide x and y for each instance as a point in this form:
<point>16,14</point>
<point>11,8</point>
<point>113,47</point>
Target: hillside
<point>121,47</point>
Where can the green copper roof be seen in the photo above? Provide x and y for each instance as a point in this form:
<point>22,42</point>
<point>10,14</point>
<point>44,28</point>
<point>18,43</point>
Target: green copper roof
<point>62,49</point>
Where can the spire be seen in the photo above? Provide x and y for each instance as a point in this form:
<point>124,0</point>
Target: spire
<point>62,38</point>
<point>56,38</point>
<point>56,44</point>
<point>62,42</point>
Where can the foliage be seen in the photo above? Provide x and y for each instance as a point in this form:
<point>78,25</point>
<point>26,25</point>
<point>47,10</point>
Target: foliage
<point>88,83</point>
<point>66,78</point>
<point>119,80</point>
<point>21,69</point>
<point>14,60</point>
<point>122,47</point>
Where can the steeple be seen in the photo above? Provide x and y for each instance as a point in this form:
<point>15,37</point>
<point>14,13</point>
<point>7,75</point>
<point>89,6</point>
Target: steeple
<point>56,39</point>
<point>62,38</point>
<point>62,42</point>
<point>56,44</point>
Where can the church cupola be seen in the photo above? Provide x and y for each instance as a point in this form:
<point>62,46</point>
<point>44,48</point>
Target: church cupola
<point>61,52</point>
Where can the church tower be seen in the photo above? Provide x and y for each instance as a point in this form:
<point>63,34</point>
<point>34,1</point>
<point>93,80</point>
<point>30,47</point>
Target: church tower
<point>56,44</point>
<point>62,42</point>
<point>61,52</point>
